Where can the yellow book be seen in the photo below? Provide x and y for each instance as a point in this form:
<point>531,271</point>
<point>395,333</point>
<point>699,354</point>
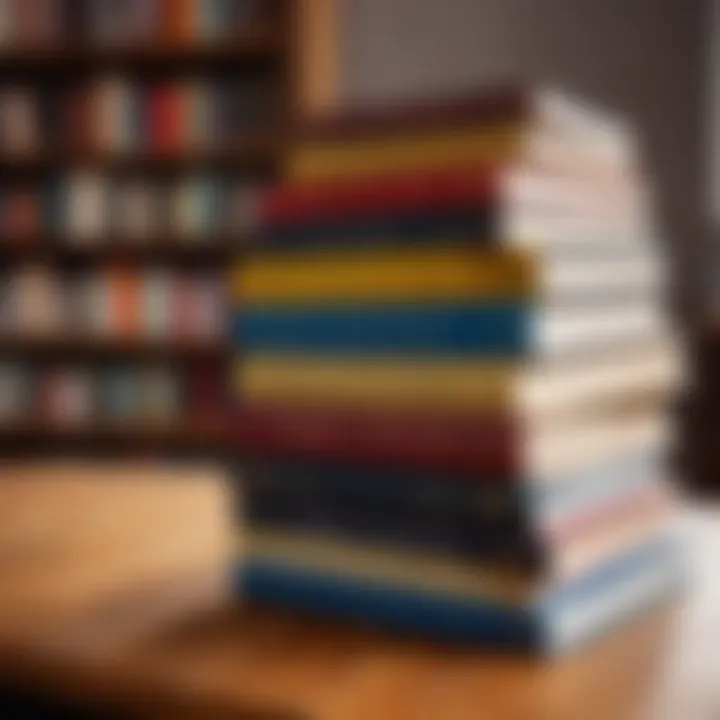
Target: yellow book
<point>637,376</point>
<point>434,274</point>
<point>376,383</point>
<point>429,150</point>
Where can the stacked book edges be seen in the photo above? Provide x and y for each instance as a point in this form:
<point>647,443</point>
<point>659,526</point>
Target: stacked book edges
<point>452,398</point>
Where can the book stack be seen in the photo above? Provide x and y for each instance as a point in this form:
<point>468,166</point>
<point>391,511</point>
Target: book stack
<point>455,374</point>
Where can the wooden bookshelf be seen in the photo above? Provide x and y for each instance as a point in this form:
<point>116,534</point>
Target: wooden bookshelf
<point>253,153</point>
<point>161,249</point>
<point>259,44</point>
<point>279,47</point>
<point>68,347</point>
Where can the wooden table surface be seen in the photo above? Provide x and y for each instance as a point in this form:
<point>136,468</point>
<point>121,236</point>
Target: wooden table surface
<point>234,662</point>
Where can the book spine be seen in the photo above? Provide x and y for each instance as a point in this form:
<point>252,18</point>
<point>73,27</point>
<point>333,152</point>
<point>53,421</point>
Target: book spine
<point>491,623</point>
<point>463,445</point>
<point>427,193</point>
<point>496,330</point>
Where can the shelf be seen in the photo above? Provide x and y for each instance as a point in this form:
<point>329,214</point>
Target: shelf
<point>141,434</point>
<point>169,250</point>
<point>91,349</point>
<point>254,152</point>
<point>259,44</point>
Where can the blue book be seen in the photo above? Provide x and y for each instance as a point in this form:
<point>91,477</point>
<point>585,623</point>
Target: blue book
<point>489,330</point>
<point>554,621</point>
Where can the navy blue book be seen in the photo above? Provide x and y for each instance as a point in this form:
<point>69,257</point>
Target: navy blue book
<point>473,226</point>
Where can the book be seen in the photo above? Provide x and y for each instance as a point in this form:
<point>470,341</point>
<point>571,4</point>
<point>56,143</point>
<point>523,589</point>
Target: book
<point>14,392</point>
<point>504,125</point>
<point>164,118</point>
<point>19,121</point>
<point>159,304</point>
<point>312,204</point>
<point>86,211</point>
<point>494,329</point>
<point>442,274</point>
<point>136,211</point>
<point>115,114</point>
<point>638,373</point>
<point>125,288</point>
<point>460,603</point>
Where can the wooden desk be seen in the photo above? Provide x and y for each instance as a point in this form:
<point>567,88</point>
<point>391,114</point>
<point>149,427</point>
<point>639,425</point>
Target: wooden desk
<point>252,663</point>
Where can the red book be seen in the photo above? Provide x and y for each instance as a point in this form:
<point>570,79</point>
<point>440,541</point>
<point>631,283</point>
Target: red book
<point>165,109</point>
<point>426,192</point>
<point>467,443</point>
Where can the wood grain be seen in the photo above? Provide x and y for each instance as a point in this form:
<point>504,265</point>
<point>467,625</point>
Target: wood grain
<point>131,652</point>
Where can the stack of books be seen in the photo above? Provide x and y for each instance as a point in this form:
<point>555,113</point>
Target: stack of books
<point>455,372</point>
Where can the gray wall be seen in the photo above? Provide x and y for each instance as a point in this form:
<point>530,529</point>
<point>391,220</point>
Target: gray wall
<point>642,58</point>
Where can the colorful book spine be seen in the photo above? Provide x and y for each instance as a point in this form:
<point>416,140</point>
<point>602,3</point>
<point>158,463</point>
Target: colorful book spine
<point>377,278</point>
<point>497,329</point>
<point>358,200</point>
<point>452,443</point>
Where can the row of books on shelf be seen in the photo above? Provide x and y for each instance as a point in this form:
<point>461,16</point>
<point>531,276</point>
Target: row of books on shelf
<point>126,304</point>
<point>76,396</point>
<point>53,22</point>
<point>85,207</point>
<point>117,114</point>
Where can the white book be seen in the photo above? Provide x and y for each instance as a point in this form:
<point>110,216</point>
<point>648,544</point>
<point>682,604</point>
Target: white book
<point>559,333</point>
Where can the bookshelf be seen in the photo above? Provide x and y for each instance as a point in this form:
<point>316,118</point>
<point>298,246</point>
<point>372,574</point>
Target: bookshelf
<point>90,91</point>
